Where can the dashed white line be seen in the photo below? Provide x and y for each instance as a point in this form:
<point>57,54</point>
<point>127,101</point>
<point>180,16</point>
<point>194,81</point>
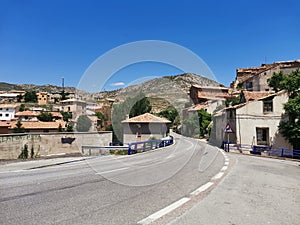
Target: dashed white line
<point>218,176</point>
<point>226,163</point>
<point>224,168</point>
<point>163,211</point>
<point>202,188</point>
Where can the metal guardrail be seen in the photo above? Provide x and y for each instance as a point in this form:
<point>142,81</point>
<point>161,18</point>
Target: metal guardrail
<point>102,150</point>
<point>267,150</point>
<point>131,148</point>
<point>148,145</point>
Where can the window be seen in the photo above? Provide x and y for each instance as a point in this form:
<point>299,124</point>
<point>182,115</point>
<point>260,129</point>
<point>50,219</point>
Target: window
<point>268,106</point>
<point>262,136</point>
<point>249,85</point>
<point>6,115</point>
<point>0,114</point>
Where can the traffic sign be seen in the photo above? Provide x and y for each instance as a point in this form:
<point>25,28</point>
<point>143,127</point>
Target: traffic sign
<point>228,129</point>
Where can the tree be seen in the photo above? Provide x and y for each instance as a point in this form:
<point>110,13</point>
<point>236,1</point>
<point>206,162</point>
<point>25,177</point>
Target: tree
<point>19,128</point>
<point>70,127</point>
<point>100,116</point>
<point>141,106</point>
<point>290,127</point>
<point>66,116</point>
<point>22,108</point>
<point>30,96</point>
<point>45,117</point>
<point>60,129</point>
<point>232,101</point>
<point>83,123</point>
<point>170,113</point>
<point>204,121</point>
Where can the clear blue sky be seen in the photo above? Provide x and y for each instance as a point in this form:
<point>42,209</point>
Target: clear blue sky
<point>42,41</point>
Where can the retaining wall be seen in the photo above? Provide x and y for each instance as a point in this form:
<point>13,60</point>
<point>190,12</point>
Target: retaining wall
<point>47,144</point>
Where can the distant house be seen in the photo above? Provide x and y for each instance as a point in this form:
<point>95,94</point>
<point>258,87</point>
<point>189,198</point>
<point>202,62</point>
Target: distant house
<point>43,98</point>
<point>144,127</point>
<point>38,126</point>
<point>27,115</point>
<point>207,98</point>
<point>253,123</point>
<point>75,106</point>
<point>256,78</point>
<point>8,111</point>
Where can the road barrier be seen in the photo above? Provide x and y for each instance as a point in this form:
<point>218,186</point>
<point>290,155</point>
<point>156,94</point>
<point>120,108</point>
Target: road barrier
<point>130,148</point>
<point>261,150</point>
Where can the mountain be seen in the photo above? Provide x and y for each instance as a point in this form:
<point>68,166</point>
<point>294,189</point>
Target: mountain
<point>169,89</point>
<point>165,91</point>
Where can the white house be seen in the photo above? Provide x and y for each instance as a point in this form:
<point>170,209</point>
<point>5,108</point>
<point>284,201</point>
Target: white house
<point>8,111</point>
<point>254,123</point>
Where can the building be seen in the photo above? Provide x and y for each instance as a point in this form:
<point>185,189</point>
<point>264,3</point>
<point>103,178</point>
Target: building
<point>27,115</point>
<point>256,78</point>
<point>8,111</point>
<point>144,127</point>
<point>252,123</point>
<point>74,106</point>
<point>38,126</point>
<point>43,98</point>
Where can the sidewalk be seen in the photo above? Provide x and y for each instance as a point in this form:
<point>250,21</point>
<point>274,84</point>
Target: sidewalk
<point>38,163</point>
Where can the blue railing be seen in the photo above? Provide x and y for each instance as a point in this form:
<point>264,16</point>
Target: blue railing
<point>255,149</point>
<point>142,146</point>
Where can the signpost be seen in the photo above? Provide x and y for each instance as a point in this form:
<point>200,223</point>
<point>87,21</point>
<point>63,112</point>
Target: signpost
<point>228,129</point>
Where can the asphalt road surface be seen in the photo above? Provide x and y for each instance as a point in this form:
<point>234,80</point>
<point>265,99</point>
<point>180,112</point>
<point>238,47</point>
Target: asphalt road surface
<point>110,189</point>
<point>187,183</point>
<point>256,191</point>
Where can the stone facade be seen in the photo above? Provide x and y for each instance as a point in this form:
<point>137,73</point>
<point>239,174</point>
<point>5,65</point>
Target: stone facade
<point>50,144</point>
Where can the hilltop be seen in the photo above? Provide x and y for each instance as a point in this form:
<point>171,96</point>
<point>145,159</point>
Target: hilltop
<point>164,91</point>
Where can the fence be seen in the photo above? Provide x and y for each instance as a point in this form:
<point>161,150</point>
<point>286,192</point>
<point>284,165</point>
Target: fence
<point>131,148</point>
<point>148,145</point>
<point>259,150</point>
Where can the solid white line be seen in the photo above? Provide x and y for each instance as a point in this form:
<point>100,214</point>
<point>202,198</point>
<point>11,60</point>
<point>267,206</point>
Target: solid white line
<point>163,211</point>
<point>218,176</point>
<point>111,171</point>
<point>224,168</point>
<point>202,188</point>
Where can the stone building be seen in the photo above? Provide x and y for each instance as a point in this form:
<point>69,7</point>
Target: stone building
<point>144,127</point>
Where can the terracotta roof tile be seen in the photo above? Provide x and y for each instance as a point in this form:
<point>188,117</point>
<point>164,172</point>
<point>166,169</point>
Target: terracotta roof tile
<point>146,118</point>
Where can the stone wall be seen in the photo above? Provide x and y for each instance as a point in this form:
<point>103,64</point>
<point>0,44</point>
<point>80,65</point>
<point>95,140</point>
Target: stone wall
<point>48,144</point>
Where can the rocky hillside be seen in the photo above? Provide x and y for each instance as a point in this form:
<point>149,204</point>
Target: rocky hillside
<point>172,89</point>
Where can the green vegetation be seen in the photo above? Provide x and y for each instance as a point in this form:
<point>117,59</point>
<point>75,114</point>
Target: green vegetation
<point>170,113</point>
<point>289,128</point>
<point>24,152</point>
<point>70,127</point>
<point>30,96</point>
<point>141,106</point>
<point>131,106</point>
<point>100,116</point>
<point>19,128</point>
<point>232,101</point>
<point>67,116</point>
<point>32,152</point>
<point>83,124</point>
<point>45,117</point>
<point>197,124</point>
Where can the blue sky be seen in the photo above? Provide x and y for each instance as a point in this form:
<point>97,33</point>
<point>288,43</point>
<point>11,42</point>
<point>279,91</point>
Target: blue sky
<point>42,41</point>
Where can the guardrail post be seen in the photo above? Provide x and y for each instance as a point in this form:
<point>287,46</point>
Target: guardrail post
<point>282,151</point>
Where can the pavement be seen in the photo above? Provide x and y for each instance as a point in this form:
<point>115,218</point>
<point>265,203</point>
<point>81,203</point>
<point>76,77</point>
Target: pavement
<point>37,163</point>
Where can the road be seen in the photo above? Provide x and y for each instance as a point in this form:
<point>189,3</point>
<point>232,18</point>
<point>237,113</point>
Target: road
<point>255,191</point>
<point>180,184</point>
<point>108,190</point>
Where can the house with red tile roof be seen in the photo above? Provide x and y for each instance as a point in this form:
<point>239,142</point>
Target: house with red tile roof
<point>144,127</point>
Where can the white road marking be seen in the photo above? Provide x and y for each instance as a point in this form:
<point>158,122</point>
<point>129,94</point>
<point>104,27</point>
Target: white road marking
<point>163,211</point>
<point>202,188</point>
<point>226,163</point>
<point>111,171</point>
<point>218,176</point>
<point>224,168</point>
